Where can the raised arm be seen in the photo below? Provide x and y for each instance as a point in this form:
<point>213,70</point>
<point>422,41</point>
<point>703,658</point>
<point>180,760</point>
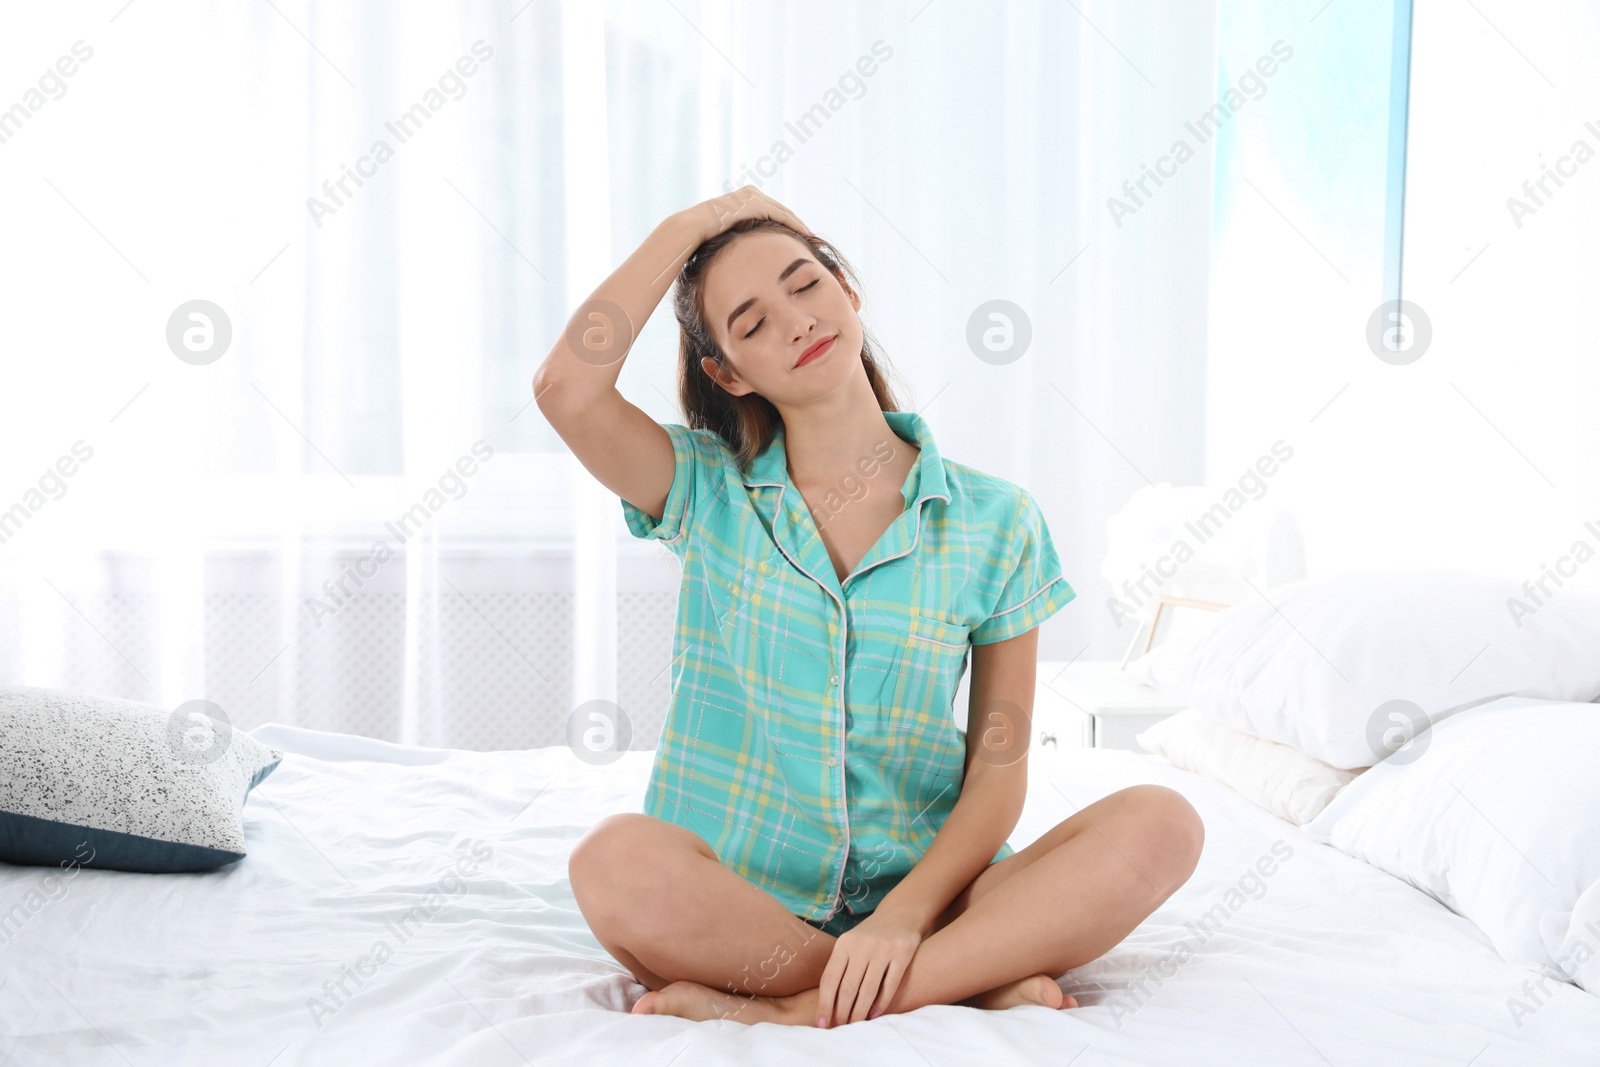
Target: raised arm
<point>576,386</point>
<point>625,449</point>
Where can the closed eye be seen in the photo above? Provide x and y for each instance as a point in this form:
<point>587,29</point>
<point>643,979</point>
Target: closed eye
<point>763,318</point>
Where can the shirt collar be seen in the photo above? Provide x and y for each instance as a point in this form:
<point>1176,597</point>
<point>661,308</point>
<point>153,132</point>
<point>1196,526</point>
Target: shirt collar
<point>925,480</point>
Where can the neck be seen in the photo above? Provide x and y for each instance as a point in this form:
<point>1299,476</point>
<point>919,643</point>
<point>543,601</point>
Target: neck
<point>835,435</point>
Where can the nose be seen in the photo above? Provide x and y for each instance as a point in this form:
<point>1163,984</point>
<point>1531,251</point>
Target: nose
<point>803,327</point>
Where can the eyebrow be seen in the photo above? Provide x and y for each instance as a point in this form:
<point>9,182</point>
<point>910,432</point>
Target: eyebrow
<point>790,269</point>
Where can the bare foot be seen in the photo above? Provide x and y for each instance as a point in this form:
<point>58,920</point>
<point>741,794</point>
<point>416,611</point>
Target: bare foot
<point>701,1003</point>
<point>1035,989</point>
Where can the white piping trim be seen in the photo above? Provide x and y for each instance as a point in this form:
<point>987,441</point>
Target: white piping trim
<point>1047,585</point>
<point>916,537</point>
<point>845,636</point>
<point>936,641</point>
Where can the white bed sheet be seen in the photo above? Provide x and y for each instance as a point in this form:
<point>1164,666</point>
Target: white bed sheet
<point>1334,963</point>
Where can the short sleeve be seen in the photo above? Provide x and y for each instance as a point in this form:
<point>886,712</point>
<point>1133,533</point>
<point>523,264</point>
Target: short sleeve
<point>1035,588</point>
<point>697,463</point>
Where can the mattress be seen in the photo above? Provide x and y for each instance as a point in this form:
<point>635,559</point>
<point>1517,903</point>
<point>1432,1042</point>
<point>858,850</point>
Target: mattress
<point>1324,961</point>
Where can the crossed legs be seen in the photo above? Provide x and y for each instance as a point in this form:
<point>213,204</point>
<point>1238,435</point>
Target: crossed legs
<point>717,946</point>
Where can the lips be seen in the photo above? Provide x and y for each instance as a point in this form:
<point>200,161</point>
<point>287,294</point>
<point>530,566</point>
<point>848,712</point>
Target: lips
<point>817,350</point>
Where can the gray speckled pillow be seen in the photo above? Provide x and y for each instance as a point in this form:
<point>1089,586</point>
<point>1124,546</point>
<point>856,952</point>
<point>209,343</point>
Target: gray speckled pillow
<point>104,782</point>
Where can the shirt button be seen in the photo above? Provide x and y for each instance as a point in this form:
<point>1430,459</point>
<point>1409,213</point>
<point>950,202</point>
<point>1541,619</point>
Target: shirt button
<point>834,680</point>
<point>833,761</point>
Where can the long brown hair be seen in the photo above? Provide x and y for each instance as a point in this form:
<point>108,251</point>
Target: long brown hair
<point>746,422</point>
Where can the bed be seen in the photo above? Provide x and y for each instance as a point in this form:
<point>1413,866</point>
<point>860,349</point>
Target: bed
<point>1325,960</point>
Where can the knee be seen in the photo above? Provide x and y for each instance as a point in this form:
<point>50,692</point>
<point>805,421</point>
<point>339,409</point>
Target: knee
<point>629,867</point>
<point>1171,833</point>
<point>602,857</point>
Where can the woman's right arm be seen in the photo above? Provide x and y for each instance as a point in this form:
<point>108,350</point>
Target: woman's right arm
<point>625,449</point>
<point>576,386</point>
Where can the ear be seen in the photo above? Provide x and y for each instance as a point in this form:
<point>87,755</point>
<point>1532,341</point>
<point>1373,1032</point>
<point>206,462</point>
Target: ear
<point>855,298</point>
<point>723,376</point>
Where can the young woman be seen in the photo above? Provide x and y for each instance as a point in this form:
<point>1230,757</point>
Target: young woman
<point>820,843</point>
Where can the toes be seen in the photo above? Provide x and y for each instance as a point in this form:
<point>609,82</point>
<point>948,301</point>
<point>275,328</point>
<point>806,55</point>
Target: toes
<point>1048,992</point>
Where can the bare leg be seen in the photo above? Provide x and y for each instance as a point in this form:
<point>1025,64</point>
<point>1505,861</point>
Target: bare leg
<point>1064,900</point>
<point>660,901</point>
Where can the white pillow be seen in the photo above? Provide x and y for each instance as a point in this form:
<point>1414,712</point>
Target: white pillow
<point>1284,781</point>
<point>1347,668</point>
<point>1574,941</point>
<point>1498,819</point>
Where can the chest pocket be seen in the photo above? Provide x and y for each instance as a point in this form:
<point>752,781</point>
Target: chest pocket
<point>930,671</point>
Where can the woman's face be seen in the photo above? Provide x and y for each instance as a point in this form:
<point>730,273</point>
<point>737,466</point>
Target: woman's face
<point>767,300</point>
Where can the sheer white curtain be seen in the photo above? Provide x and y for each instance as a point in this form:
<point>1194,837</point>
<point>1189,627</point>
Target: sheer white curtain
<point>353,518</point>
<point>1483,453</point>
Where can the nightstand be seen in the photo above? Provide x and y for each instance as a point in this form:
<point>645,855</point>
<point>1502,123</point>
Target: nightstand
<point>1093,705</point>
